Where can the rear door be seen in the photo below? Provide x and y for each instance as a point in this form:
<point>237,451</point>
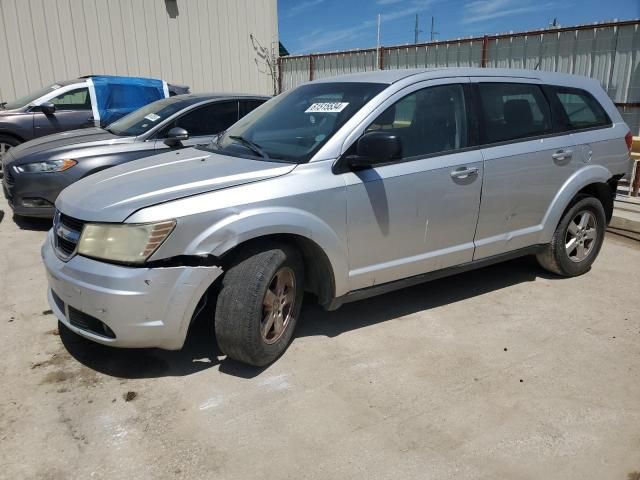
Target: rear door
<point>576,111</point>
<point>248,105</point>
<point>419,213</point>
<point>202,123</point>
<point>525,163</point>
<point>73,111</point>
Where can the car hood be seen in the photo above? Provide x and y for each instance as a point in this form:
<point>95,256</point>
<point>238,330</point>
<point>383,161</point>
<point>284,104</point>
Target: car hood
<point>51,146</point>
<point>114,194</point>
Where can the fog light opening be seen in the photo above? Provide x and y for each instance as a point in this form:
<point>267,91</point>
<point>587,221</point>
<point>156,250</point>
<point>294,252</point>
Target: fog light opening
<point>35,203</point>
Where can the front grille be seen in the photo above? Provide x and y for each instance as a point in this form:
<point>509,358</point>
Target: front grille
<point>58,301</point>
<point>67,232</point>
<point>65,246</point>
<point>87,322</point>
<point>72,223</point>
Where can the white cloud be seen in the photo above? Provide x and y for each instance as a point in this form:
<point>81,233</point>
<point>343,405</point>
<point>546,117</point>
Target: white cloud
<point>301,7</point>
<point>483,10</point>
<point>322,39</point>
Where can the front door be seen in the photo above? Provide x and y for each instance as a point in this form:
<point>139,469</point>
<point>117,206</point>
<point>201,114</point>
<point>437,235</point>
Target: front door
<point>73,111</point>
<point>419,213</point>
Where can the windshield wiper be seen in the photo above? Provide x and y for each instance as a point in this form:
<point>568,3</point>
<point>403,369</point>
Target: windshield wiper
<point>254,147</point>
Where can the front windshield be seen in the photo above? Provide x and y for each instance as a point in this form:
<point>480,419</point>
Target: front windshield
<point>145,118</point>
<point>27,99</point>
<point>293,126</point>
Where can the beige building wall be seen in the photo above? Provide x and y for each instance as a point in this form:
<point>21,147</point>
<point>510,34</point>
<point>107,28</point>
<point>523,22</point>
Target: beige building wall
<point>201,43</point>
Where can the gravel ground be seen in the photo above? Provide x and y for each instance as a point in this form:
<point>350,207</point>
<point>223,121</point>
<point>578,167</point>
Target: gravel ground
<point>505,372</point>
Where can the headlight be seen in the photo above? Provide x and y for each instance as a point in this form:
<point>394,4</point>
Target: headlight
<point>48,166</point>
<point>124,243</point>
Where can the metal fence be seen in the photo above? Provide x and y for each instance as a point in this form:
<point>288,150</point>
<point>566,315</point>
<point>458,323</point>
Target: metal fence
<point>608,52</point>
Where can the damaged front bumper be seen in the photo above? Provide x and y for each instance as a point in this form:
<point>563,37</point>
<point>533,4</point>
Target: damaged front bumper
<point>125,306</point>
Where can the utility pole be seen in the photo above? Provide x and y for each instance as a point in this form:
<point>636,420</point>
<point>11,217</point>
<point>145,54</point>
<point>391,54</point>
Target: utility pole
<point>378,42</point>
<point>433,26</point>
<point>416,31</point>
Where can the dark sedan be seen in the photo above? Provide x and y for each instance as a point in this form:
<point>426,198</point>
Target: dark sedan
<point>38,170</point>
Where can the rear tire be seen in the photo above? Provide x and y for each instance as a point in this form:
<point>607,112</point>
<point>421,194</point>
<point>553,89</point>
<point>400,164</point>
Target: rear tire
<point>577,240</point>
<point>259,304</point>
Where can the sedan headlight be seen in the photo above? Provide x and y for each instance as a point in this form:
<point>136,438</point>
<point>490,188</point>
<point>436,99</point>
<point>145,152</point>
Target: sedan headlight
<point>47,166</point>
<point>123,243</point>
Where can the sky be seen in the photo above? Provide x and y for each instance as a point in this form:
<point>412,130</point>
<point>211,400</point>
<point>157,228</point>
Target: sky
<point>310,26</point>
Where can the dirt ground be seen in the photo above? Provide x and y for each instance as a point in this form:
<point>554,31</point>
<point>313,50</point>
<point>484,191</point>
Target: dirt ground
<point>501,373</point>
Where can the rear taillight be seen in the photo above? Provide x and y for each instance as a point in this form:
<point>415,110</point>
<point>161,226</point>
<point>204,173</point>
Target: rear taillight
<point>629,139</point>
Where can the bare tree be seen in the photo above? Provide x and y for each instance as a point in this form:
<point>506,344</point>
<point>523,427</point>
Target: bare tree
<point>266,61</point>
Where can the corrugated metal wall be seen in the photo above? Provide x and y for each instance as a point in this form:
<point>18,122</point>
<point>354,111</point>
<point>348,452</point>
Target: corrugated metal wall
<point>201,43</point>
<point>609,53</point>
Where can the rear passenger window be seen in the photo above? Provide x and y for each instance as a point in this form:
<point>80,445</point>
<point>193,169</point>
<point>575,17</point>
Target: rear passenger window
<point>512,111</point>
<point>208,120</point>
<point>427,122</point>
<point>579,110</point>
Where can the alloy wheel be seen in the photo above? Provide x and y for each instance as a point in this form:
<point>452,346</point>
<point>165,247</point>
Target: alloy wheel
<point>278,305</point>
<point>581,236</point>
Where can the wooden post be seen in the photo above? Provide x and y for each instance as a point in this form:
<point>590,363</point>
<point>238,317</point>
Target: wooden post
<point>311,66</point>
<point>279,73</point>
<point>485,51</point>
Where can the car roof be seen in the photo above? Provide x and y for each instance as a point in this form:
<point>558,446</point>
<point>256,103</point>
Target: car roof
<point>393,76</point>
<point>188,99</point>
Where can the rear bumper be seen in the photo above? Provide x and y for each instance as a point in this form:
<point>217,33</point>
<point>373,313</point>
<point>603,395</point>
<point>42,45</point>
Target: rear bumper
<point>142,307</point>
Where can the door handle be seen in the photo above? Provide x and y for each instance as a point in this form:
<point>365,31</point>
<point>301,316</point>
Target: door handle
<point>464,172</point>
<point>562,155</point>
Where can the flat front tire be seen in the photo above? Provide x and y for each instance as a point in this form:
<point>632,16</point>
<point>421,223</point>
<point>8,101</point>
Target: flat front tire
<point>259,303</point>
<point>577,239</point>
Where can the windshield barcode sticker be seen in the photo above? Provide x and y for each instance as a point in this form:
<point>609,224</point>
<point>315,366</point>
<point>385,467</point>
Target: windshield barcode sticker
<point>152,117</point>
<point>327,107</point>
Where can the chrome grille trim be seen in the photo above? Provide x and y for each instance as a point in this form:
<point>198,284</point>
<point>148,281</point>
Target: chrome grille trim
<point>66,235</point>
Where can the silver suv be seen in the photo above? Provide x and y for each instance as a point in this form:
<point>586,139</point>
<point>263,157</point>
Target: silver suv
<point>345,188</point>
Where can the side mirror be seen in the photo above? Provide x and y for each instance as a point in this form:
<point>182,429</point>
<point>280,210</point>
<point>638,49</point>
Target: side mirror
<point>47,108</point>
<point>375,148</point>
<point>175,136</point>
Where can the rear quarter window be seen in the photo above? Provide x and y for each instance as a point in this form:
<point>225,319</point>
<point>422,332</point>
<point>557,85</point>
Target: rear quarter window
<point>578,110</point>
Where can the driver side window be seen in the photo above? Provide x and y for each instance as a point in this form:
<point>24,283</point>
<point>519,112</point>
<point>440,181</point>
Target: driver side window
<point>77,99</point>
<point>428,121</point>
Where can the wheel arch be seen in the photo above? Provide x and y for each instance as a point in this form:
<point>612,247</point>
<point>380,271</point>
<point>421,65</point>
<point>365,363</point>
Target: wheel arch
<point>319,274</point>
<point>595,181</point>
<point>8,133</point>
<point>323,249</point>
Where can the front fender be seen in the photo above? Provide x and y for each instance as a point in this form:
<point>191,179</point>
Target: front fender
<point>233,230</point>
<point>576,182</point>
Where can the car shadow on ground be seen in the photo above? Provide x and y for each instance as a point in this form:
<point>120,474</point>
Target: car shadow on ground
<point>35,224</point>
<point>424,296</point>
<point>200,351</point>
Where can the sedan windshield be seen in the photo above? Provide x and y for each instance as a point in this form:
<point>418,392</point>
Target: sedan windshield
<point>27,99</point>
<point>147,117</point>
<point>293,126</point>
